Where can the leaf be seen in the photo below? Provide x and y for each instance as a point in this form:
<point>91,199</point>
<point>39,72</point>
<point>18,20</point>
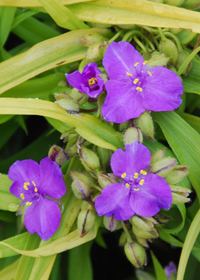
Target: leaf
<point>6,19</point>
<point>9,272</point>
<point>159,271</point>
<point>46,55</point>
<point>191,81</point>
<point>34,3</point>
<point>191,120</point>
<point>188,244</point>
<point>184,141</point>
<point>62,15</point>
<point>88,126</point>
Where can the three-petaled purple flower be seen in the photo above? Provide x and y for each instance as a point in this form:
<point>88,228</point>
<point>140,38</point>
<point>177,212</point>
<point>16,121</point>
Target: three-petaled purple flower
<point>139,192</point>
<point>88,81</point>
<point>38,186</point>
<point>133,87</point>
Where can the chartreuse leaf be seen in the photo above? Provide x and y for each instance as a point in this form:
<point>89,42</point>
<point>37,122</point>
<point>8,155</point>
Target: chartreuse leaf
<point>91,128</point>
<point>192,120</point>
<point>34,3</point>
<point>184,141</point>
<point>140,12</point>
<point>159,271</point>
<point>62,15</point>
<point>6,19</point>
<point>46,55</point>
<point>188,244</point>
<point>9,272</point>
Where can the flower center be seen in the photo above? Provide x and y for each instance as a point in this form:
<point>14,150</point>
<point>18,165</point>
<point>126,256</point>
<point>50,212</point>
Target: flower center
<point>134,181</point>
<point>31,192</point>
<point>93,84</point>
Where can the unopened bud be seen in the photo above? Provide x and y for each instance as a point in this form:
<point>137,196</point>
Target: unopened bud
<point>123,126</point>
<point>89,159</point>
<point>180,190</point>
<point>135,254</point>
<point>142,241</point>
<point>111,224</point>
<point>175,176</point>
<point>77,175</point>
<point>104,156</point>
<point>132,134</point>
<point>191,4</point>
<point>85,221</point>
<point>63,94</point>
<point>90,39</point>
<point>145,123</point>
<point>81,189</point>
<point>181,58</point>
<point>169,49</point>
<point>78,96</point>
<point>164,166</point>
<point>123,239</point>
<point>68,104</point>
<point>162,219</point>
<point>71,148</point>
<point>93,53</point>
<point>105,180</point>
<point>174,2</point>
<point>158,60</point>
<point>58,155</point>
<point>177,198</point>
<point>158,155</point>
<point>140,223</point>
<point>142,233</point>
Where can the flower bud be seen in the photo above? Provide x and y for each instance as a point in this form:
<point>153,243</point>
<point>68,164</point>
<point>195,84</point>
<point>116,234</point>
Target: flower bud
<point>62,94</point>
<point>93,53</point>
<point>89,159</point>
<point>111,224</point>
<point>123,126</point>
<point>85,221</point>
<point>180,190</point>
<point>81,189</point>
<point>132,134</point>
<point>145,124</point>
<point>123,239</point>
<point>178,198</point>
<point>135,253</point>
<point>77,175</point>
<point>191,4</point>
<point>142,241</point>
<point>158,155</point>
<point>162,219</point>
<point>105,180</point>
<point>68,104</point>
<point>71,148</point>
<point>175,176</point>
<point>140,223</point>
<point>158,60</point>
<point>169,49</point>
<point>58,155</point>
<point>90,39</point>
<point>164,166</point>
<point>104,156</point>
<point>142,233</point>
<point>181,58</point>
<point>78,96</point>
<point>174,2</point>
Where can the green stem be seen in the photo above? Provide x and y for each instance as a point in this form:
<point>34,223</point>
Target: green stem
<point>116,36</point>
<point>129,238</point>
<point>131,33</point>
<point>140,44</point>
<point>185,64</point>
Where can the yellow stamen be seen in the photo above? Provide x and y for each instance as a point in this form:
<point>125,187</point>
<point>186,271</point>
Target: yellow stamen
<point>135,176</point>
<point>145,62</point>
<point>26,183</point>
<point>92,81</point>
<point>143,172</point>
<point>34,184</point>
<point>149,73</point>
<point>136,81</point>
<point>25,187</point>
<point>136,189</point>
<point>22,196</point>
<point>28,203</point>
<point>35,190</point>
<point>123,175</point>
<point>128,74</point>
<point>139,89</point>
<point>127,185</point>
<point>141,182</point>
<point>136,64</point>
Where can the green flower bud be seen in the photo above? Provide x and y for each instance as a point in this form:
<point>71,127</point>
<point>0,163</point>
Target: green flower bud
<point>77,175</point>
<point>162,219</point>
<point>169,49</point>
<point>123,239</point>
<point>142,233</point>
<point>68,104</point>
<point>158,60</point>
<point>158,155</point>
<point>175,31</point>
<point>89,159</point>
<point>178,198</point>
<point>175,176</point>
<point>174,2</point>
<point>104,156</point>
<point>58,155</point>
<point>135,253</point>
<point>90,39</point>
<point>123,126</point>
<point>132,134</point>
<point>93,53</point>
<point>164,166</point>
<point>78,96</point>
<point>142,241</point>
<point>71,148</point>
<point>191,4</point>
<point>62,95</point>
<point>145,124</point>
<point>81,189</point>
<point>140,223</point>
<point>181,58</point>
<point>180,190</point>
<point>105,180</point>
<point>111,224</point>
<point>85,221</point>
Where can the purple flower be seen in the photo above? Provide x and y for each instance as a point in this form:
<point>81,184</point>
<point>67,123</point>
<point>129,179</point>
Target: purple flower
<point>169,269</point>
<point>88,81</point>
<point>134,87</point>
<point>138,193</point>
<point>38,186</point>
